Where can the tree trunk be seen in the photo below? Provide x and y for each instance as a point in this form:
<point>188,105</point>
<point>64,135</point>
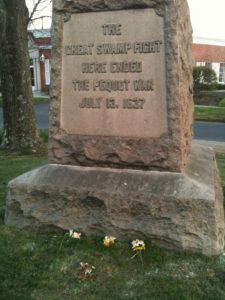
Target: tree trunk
<point>20,132</point>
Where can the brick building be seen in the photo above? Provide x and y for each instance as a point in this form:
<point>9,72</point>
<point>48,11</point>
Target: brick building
<point>211,53</point>
<point>39,45</point>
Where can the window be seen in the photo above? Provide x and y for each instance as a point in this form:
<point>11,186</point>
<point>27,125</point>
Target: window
<point>208,65</point>
<point>222,73</point>
<point>200,64</point>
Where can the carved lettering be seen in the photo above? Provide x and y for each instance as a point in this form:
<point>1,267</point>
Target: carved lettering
<point>126,67</point>
<point>113,79</point>
<point>111,85</point>
<point>94,67</point>
<point>90,103</point>
<point>79,49</point>
<point>116,48</point>
<point>81,85</point>
<point>111,103</point>
<point>143,85</point>
<point>147,47</point>
<point>111,29</point>
<point>133,103</point>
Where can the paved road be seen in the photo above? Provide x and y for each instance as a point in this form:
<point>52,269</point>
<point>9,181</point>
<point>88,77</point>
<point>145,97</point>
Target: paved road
<point>209,131</point>
<point>41,111</point>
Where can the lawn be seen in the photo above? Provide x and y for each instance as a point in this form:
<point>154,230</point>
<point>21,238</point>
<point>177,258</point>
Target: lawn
<point>36,266</point>
<point>209,113</point>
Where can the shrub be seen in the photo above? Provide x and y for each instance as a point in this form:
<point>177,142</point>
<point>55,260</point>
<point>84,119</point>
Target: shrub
<point>220,86</point>
<point>222,103</point>
<point>44,135</point>
<point>204,78</point>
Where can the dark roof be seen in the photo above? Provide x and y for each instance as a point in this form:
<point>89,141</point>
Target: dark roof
<point>41,38</point>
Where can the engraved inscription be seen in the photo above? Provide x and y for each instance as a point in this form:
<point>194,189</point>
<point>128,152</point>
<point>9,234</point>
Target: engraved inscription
<point>115,48</point>
<point>111,103</point>
<point>79,49</point>
<point>81,85</point>
<point>111,85</point>
<point>94,67</point>
<point>133,103</point>
<point>126,67</point>
<point>114,80</point>
<point>111,29</point>
<point>147,47</point>
<point>90,103</point>
<point>143,85</point>
<point>112,67</point>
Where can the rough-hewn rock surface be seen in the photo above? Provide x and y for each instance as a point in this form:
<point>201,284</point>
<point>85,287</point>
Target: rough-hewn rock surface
<point>168,152</point>
<point>81,6</point>
<point>174,210</point>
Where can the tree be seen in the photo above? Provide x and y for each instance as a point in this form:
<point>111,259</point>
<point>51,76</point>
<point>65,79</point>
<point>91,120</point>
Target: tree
<point>204,78</point>
<point>20,131</point>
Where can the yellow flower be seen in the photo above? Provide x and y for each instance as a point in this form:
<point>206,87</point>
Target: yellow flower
<point>74,234</point>
<point>109,240</point>
<point>138,245</point>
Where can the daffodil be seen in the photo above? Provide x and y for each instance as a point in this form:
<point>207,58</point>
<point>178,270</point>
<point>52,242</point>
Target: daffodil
<point>109,240</point>
<point>74,234</point>
<point>138,245</point>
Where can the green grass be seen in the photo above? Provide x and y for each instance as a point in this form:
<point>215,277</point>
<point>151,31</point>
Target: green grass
<point>18,165</point>
<point>37,100</point>
<point>222,103</point>
<point>36,266</point>
<point>210,113</point>
<point>40,100</point>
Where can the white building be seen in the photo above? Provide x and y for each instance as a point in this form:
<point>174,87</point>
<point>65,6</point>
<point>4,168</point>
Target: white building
<point>211,53</point>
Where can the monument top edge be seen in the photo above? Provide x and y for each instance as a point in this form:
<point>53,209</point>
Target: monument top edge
<point>83,6</point>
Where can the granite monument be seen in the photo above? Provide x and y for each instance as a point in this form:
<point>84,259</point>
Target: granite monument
<point>121,159</point>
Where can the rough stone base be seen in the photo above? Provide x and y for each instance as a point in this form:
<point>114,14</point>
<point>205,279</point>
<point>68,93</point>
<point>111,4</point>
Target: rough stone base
<point>181,211</point>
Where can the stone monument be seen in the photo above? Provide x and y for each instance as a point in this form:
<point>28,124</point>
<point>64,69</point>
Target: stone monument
<point>121,160</point>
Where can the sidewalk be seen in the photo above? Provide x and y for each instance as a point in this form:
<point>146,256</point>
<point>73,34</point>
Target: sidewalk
<point>219,147</point>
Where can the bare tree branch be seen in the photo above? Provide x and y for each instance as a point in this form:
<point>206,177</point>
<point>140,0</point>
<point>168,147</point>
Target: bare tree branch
<point>34,10</point>
<point>33,19</point>
<point>44,7</point>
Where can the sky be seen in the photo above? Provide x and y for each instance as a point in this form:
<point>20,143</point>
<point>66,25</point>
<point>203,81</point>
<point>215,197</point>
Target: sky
<point>207,17</point>
<point>45,10</point>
